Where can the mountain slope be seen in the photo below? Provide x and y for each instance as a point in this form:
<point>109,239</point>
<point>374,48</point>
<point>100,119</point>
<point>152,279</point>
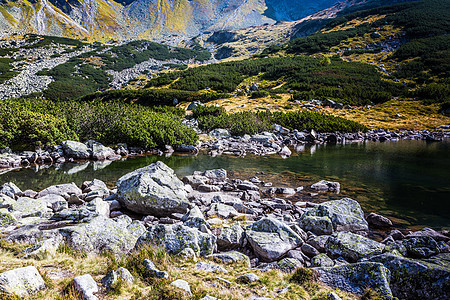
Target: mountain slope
<point>125,19</point>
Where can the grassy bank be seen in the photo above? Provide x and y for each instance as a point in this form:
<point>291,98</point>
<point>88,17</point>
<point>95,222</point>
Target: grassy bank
<point>59,270</point>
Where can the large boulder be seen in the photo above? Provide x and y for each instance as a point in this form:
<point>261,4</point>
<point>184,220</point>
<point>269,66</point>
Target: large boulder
<point>418,279</point>
<point>27,207</point>
<point>154,190</point>
<point>176,237</point>
<point>75,150</point>
<point>6,201</point>
<point>21,282</point>
<point>118,235</point>
<point>345,215</point>
<point>271,239</point>
<point>100,152</point>
<point>64,190</point>
<point>352,246</point>
<point>317,225</point>
<point>356,278</point>
<point>231,237</point>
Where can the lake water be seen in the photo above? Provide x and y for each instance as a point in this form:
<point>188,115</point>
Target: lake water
<point>408,181</point>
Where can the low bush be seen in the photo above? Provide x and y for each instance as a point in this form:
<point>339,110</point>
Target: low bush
<point>251,123</point>
<point>27,123</point>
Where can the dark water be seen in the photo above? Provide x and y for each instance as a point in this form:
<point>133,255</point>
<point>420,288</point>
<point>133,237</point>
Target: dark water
<point>408,181</point>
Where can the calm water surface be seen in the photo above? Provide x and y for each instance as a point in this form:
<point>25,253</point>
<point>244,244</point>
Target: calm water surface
<point>408,181</point>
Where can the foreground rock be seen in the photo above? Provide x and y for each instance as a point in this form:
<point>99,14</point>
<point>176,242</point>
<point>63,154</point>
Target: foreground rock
<point>118,235</point>
<point>21,282</point>
<point>175,238</point>
<point>271,239</point>
<point>344,215</point>
<point>351,246</point>
<point>154,190</point>
<point>418,279</point>
<point>356,278</point>
<point>87,286</point>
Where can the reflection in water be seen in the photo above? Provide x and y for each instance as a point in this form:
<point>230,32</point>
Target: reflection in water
<point>406,180</point>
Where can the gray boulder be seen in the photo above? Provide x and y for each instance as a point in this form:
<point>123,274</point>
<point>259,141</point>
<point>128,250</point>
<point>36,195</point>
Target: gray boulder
<point>317,225</point>
<point>418,279</point>
<point>222,210</point>
<point>420,246</point>
<point>100,152</point>
<point>154,190</point>
<point>231,237</point>
<point>352,246</point>
<point>271,239</point>
<point>21,282</point>
<point>118,235</point>
<point>26,207</point>
<point>356,278</point>
<point>183,285</point>
<point>324,185</point>
<point>152,271</point>
<point>75,150</point>
<point>345,215</point>
<point>64,190</point>
<point>177,237</point>
<point>378,221</point>
<point>121,274</point>
<point>219,133</point>
<point>321,260</point>
<point>210,268</point>
<point>86,286</point>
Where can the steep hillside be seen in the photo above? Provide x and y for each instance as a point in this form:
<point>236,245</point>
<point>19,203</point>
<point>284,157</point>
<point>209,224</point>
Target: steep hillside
<point>149,19</point>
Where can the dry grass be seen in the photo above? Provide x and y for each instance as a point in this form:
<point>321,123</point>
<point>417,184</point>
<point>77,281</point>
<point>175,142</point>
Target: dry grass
<point>59,271</point>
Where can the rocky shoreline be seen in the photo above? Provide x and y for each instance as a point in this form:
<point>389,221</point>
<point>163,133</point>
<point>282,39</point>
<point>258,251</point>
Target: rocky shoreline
<point>235,221</point>
<point>279,141</point>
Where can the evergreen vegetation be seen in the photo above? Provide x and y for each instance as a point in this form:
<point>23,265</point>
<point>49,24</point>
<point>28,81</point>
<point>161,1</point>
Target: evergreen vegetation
<point>210,117</point>
<point>28,123</point>
<point>347,82</point>
<point>6,71</point>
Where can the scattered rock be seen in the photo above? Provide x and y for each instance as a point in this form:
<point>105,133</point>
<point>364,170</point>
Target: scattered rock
<point>87,286</point>
<point>152,271</point>
<point>21,282</point>
<point>182,284</point>
<point>232,257</point>
<point>210,268</point>
<point>377,221</point>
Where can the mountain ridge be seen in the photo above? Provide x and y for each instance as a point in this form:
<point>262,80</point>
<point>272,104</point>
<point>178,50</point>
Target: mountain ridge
<point>146,19</point>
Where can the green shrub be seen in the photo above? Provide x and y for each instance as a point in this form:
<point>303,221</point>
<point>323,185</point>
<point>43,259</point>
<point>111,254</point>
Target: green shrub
<point>251,123</point>
<point>26,123</point>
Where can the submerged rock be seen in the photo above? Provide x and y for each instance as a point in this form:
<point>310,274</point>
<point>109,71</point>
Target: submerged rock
<point>356,278</point>
<point>154,190</point>
<point>271,239</point>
